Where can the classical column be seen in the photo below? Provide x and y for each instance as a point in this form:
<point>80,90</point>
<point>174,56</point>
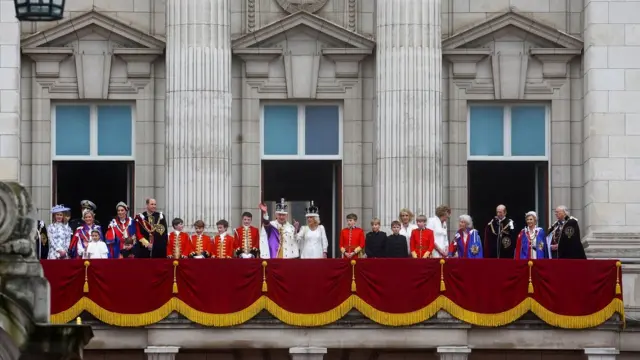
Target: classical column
<point>161,352</point>
<point>454,352</point>
<point>601,353</point>
<point>198,116</point>
<point>307,353</point>
<point>408,128</point>
<point>10,93</point>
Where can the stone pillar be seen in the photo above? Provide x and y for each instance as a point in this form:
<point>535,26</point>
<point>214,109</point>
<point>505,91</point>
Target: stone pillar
<point>9,92</point>
<point>601,353</point>
<point>307,353</point>
<point>408,127</point>
<point>611,128</point>
<point>161,352</point>
<point>454,352</point>
<point>198,115</point>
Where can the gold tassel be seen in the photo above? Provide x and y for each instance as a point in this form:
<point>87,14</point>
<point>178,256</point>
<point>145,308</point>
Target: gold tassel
<point>85,288</point>
<point>442,286</point>
<point>530,290</point>
<point>78,321</point>
<point>175,278</point>
<point>618,287</point>
<point>353,276</point>
<point>264,276</point>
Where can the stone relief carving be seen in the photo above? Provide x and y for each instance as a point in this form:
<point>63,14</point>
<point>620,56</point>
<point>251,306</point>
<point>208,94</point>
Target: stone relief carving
<point>351,13</point>
<point>251,16</point>
<point>16,227</point>
<point>293,6</point>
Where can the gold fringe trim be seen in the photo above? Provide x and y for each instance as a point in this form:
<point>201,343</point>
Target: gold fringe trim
<point>333,315</point>
<point>85,288</point>
<point>175,278</point>
<point>530,289</point>
<point>264,277</point>
<point>618,287</point>
<point>353,276</point>
<point>443,288</point>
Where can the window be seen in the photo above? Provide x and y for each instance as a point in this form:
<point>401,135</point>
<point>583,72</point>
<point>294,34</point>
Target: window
<point>509,132</point>
<point>301,131</point>
<point>92,132</point>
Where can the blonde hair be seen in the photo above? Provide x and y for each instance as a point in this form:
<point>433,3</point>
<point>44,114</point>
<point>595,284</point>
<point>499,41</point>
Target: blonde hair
<point>375,221</point>
<point>443,210</point>
<point>315,219</point>
<point>405,211</point>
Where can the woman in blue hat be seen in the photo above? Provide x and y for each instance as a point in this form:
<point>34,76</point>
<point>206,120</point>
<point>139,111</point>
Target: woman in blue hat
<point>59,233</point>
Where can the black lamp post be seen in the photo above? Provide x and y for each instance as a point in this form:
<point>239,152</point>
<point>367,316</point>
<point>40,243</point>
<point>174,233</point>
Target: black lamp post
<point>39,10</point>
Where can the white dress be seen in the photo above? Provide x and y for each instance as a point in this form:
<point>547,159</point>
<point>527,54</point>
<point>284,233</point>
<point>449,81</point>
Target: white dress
<point>440,234</point>
<point>406,232</point>
<point>96,250</point>
<point>313,243</point>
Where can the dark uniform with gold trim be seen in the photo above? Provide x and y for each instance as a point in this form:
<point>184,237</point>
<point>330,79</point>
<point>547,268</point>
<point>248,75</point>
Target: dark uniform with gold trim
<point>42,241</point>
<point>500,239</point>
<point>566,235</point>
<point>151,228</point>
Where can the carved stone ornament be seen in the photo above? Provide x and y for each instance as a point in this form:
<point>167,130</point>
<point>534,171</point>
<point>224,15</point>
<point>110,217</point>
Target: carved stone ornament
<point>293,6</point>
<point>16,225</point>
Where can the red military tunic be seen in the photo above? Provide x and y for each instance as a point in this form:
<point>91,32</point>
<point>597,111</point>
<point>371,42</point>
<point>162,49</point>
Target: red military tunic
<point>246,240</point>
<point>422,243</point>
<point>179,246</point>
<point>223,248</point>
<point>201,245</point>
<point>351,240</point>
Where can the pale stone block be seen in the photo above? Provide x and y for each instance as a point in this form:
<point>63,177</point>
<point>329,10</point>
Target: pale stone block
<point>115,5</point>
<point>623,57</point>
<point>557,20</point>
<point>606,124</point>
<point>460,6</point>
<point>632,34</point>
<point>558,6</point>
<point>561,176</point>
<point>632,124</point>
<point>605,214</point>
<point>9,146</point>
<point>606,169</point>
<point>632,168</point>
<point>596,13</point>
<point>9,123</point>
<point>601,353</point>
<point>624,101</point>
<point>632,217</point>
<point>632,79</point>
<point>142,5</point>
<point>605,34</point>
<point>9,169</point>
<point>596,57</point>
<point>624,191</point>
<point>10,78</point>
<point>624,146</point>
<point>462,20</point>
<point>624,12</point>
<point>596,102</point>
<point>560,154</point>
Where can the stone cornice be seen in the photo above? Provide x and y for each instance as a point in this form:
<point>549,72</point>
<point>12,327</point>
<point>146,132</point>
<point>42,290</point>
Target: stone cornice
<point>303,18</point>
<point>138,61</point>
<point>464,61</point>
<point>92,18</point>
<point>48,60</point>
<point>347,60</point>
<point>517,20</point>
<point>257,60</point>
<point>554,60</point>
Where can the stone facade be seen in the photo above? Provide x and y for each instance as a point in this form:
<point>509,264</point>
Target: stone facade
<point>579,57</point>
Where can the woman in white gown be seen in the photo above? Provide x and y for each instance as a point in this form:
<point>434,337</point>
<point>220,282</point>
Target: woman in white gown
<point>312,238</point>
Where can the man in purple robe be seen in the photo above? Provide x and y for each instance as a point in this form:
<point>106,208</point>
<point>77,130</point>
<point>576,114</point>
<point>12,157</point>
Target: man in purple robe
<point>278,237</point>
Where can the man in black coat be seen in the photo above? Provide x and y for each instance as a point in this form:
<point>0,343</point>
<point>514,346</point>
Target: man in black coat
<point>152,235</point>
<point>500,236</point>
<point>566,242</point>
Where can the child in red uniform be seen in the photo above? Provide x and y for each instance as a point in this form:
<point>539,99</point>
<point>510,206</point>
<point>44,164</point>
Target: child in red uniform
<point>179,246</point>
<point>201,246</point>
<point>223,242</point>
<point>247,239</point>
<point>351,238</point>
<point>422,240</point>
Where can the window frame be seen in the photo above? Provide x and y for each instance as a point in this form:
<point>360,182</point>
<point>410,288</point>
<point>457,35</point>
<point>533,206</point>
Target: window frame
<point>93,132</point>
<point>301,131</point>
<point>507,133</point>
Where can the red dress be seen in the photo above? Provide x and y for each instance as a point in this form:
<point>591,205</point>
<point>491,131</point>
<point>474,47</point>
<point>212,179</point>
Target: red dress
<point>352,241</point>
<point>179,246</point>
<point>422,241</point>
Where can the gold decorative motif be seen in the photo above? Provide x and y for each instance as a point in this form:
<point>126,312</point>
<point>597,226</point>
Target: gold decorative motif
<point>506,242</point>
<point>541,245</point>
<point>264,276</point>
<point>443,287</point>
<point>353,276</point>
<point>175,276</point>
<point>618,287</point>
<point>85,288</point>
<point>475,249</point>
<point>280,247</point>
<point>569,231</point>
<point>530,288</point>
<point>44,239</point>
<point>160,229</point>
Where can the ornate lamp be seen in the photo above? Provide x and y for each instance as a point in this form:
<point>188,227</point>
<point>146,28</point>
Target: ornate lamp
<point>39,10</point>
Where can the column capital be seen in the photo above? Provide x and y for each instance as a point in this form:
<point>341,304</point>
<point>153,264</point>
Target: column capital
<point>601,353</point>
<point>453,352</point>
<point>307,353</point>
<point>161,352</point>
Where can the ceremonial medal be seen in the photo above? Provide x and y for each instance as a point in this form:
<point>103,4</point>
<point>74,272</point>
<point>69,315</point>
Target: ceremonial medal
<point>569,231</point>
<point>475,249</point>
<point>541,245</point>
<point>506,242</point>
